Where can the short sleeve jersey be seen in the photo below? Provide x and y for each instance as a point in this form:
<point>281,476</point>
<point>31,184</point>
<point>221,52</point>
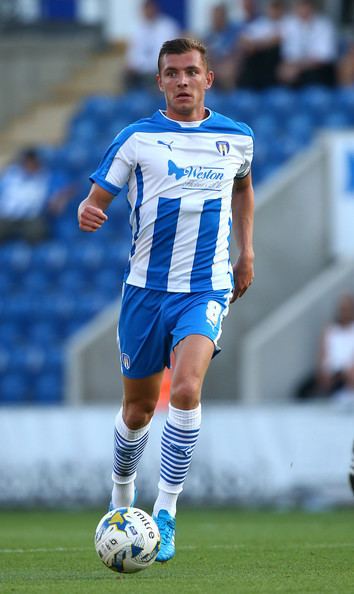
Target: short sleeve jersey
<point>180,177</point>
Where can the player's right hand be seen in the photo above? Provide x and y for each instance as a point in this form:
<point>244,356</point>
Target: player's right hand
<point>91,218</point>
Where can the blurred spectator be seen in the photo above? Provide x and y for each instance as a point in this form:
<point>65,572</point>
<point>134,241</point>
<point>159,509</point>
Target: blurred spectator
<point>221,42</point>
<point>259,47</point>
<point>144,46</point>
<point>250,11</point>
<point>335,371</point>
<point>29,195</point>
<point>309,48</point>
<point>345,69</point>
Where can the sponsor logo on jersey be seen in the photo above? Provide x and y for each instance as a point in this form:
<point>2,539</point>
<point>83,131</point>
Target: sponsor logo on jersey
<point>223,147</point>
<point>168,144</point>
<point>197,176</point>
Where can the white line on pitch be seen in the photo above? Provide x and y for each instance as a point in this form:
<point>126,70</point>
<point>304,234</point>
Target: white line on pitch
<point>181,548</point>
<point>46,550</point>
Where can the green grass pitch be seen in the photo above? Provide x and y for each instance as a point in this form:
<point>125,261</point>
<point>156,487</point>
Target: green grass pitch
<point>218,551</point>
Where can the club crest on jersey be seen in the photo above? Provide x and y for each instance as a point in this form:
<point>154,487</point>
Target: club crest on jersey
<point>223,147</point>
<point>125,360</point>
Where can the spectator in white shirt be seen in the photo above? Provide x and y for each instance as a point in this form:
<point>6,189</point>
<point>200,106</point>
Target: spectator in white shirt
<point>335,369</point>
<point>309,48</point>
<point>144,46</point>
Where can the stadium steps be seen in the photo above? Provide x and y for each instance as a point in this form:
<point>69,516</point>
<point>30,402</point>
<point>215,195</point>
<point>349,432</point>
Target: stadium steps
<point>45,122</point>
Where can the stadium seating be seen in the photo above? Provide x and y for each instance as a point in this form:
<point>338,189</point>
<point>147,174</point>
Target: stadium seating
<point>49,291</point>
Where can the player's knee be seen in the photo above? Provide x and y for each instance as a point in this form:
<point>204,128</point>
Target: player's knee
<point>185,393</point>
<point>137,416</point>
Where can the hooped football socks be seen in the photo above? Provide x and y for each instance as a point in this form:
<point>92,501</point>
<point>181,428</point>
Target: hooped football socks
<point>129,445</point>
<point>179,438</point>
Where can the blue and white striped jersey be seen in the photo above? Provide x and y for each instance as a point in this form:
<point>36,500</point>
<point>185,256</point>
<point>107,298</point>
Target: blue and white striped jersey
<point>180,177</point>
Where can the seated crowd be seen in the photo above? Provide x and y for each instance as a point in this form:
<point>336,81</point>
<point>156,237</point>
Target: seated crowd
<point>292,47</point>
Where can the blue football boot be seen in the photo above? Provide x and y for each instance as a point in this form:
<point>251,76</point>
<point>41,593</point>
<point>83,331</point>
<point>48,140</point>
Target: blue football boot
<point>167,527</point>
<point>111,507</point>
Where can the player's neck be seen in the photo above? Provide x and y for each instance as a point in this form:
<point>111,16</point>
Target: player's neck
<point>196,115</point>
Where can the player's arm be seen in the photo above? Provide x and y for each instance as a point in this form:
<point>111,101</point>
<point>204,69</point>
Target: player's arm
<point>91,213</point>
<point>242,224</point>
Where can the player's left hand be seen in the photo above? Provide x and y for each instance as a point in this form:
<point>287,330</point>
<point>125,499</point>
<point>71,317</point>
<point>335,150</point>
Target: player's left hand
<point>243,275</point>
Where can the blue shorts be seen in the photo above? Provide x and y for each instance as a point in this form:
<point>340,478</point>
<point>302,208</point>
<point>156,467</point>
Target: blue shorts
<point>153,322</point>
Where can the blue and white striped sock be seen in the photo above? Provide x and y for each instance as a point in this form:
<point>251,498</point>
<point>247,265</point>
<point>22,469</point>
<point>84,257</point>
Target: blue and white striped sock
<point>179,437</point>
<point>129,446</point>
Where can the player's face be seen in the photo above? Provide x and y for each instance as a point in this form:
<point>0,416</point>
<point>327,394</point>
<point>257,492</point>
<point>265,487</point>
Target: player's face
<point>184,78</point>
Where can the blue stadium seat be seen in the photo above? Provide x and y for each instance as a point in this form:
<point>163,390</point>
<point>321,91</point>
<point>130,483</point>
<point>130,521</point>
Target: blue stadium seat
<point>317,102</point>
<point>266,126</point>
<point>14,389</point>
<point>5,356</point>
<point>49,154</point>
<point>88,254</point>
<point>299,129</point>
<point>290,146</point>
<point>115,127</point>
<point>261,154</point>
<point>98,108</point>
<point>57,307</point>
<point>37,280</point>
<point>66,228</point>
<point>48,388</point>
<point>6,281</point>
<point>83,130</point>
<point>20,307</point>
<point>16,256</point>
<point>89,304</point>
<point>215,99</point>
<point>279,102</point>
<point>117,258</point>
<point>72,326</point>
<point>51,256</point>
<point>73,280</point>
<point>241,105</point>
<point>28,359</point>
<point>109,282</point>
<point>54,359</point>
<point>44,334</point>
<point>344,98</point>
<point>78,156</point>
<point>338,120</point>
<point>12,332</point>
<point>138,104</point>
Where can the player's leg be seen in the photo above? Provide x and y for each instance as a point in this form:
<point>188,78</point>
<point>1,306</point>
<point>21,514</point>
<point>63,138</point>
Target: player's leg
<point>142,362</point>
<point>181,430</point>
<point>195,334</point>
<point>131,434</point>
<point>180,433</point>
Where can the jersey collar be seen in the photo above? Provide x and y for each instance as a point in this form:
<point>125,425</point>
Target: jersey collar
<point>181,124</point>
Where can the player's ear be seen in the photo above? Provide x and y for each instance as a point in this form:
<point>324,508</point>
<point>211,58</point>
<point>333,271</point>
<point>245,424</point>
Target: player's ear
<point>159,83</point>
<point>209,79</point>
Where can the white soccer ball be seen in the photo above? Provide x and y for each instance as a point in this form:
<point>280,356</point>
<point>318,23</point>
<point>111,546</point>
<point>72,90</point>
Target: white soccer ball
<point>127,540</point>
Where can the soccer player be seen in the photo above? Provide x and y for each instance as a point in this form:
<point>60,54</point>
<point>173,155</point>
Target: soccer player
<point>188,171</point>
